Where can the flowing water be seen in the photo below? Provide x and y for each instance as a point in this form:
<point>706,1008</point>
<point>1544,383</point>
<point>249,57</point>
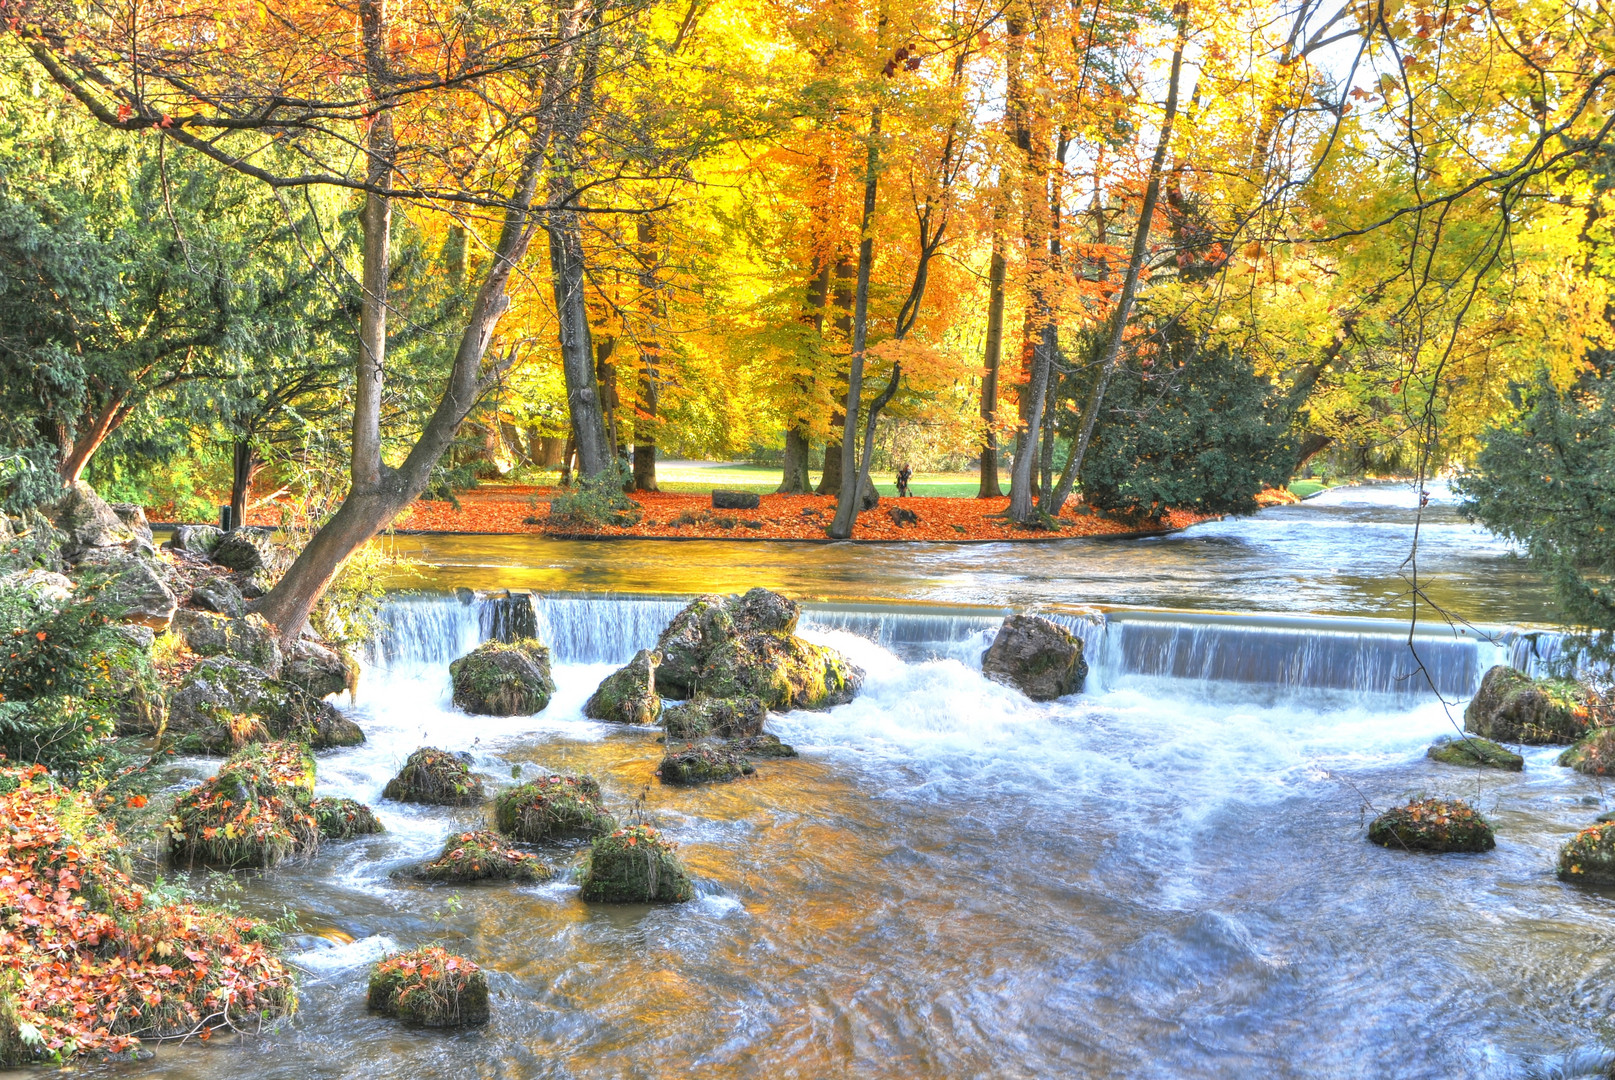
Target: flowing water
<point>1163,876</point>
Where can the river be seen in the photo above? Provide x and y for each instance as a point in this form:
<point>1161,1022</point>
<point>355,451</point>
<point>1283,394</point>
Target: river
<point>1163,876</point>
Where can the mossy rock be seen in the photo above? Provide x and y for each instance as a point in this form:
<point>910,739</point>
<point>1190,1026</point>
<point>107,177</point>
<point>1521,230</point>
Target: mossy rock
<point>1589,857</point>
<point>225,703</point>
<point>726,718</point>
<point>1037,656</point>
<point>635,865</point>
<point>782,672</point>
<point>762,746</point>
<point>1475,753</point>
<point>1433,825</point>
<point>702,626</point>
<point>503,679</point>
<point>431,987</point>
<point>628,695</point>
<point>553,808</point>
<point>248,638</point>
<point>700,764</point>
<point>1594,755</point>
<point>343,819</point>
<point>1512,707</point>
<point>481,856</point>
<point>256,812</point>
<point>437,778</point>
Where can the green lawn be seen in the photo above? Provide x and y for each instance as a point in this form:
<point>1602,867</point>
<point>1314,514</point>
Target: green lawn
<point>1303,488</point>
<point>740,476</point>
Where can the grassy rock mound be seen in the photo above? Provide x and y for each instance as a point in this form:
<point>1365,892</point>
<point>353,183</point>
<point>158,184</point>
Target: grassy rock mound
<point>503,679</point>
<point>1040,658</point>
<point>481,856</point>
<point>1433,825</point>
<point>436,778</point>
<point>225,703</point>
<point>1594,755</point>
<point>700,764</point>
<point>635,865</point>
<point>628,695</point>
<point>103,962</point>
<point>1512,707</point>
<point>343,819</point>
<point>726,718</point>
<point>1589,857</point>
<point>762,746</point>
<point>553,808</point>
<point>1475,753</point>
<point>255,812</point>
<point>429,986</point>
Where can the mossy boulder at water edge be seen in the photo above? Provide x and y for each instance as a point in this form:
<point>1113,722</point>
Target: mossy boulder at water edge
<point>503,679</point>
<point>319,669</point>
<point>635,865</point>
<point>1433,825</point>
<point>225,703</point>
<point>437,778</point>
<point>1594,755</point>
<point>726,718</point>
<point>343,819</point>
<point>1589,857</point>
<point>256,812</point>
<point>481,855</point>
<point>553,808</point>
<point>1475,753</point>
<point>1512,707</point>
<point>702,764</point>
<point>781,671</point>
<point>1040,658</point>
<point>431,987</point>
<point>628,695</point>
<point>762,746</point>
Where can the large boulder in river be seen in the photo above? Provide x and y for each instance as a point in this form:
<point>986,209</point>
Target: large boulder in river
<point>87,522</point>
<point>436,778</point>
<point>726,718</point>
<point>635,865</point>
<point>628,695</point>
<point>1473,752</point>
<point>249,638</point>
<point>1594,755</point>
<point>225,703</point>
<point>1512,707</point>
<point>503,679</point>
<point>1041,659</point>
<point>744,646</point>
<point>1433,825</point>
<point>698,763</point>
<point>255,812</point>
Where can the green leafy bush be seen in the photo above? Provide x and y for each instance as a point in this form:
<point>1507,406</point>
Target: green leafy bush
<point>597,501</point>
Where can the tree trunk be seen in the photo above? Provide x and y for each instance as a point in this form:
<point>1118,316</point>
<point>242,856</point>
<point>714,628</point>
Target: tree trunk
<point>549,450</point>
<point>377,219</point>
<point>605,375</point>
<point>647,399</point>
<point>567,456</point>
<point>1135,264</point>
<point>1046,459</point>
<point>577,353</point>
<point>798,439</point>
<point>845,287</point>
<point>513,442</point>
<point>87,442</point>
<point>848,499</point>
<point>245,466</point>
<point>989,383</point>
<point>795,478</point>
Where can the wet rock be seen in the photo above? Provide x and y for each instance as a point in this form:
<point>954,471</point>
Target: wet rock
<point>735,500</point>
<point>436,778</point>
<point>500,679</point>
<point>727,718</point>
<point>689,639</point>
<point>430,987</point>
<point>635,865</point>
<point>784,672</point>
<point>1512,707</point>
<point>763,611</point>
<point>628,695</point>
<point>702,764</point>
<point>344,819</point>
<point>219,595</point>
<point>132,586</point>
<point>1041,659</point>
<point>1475,753</point>
<point>242,550</point>
<point>196,539</point>
<point>254,813</point>
<point>902,516</point>
<point>554,807</point>
<point>481,856</point>
<point>225,703</point>
<point>762,746</point>
<point>1433,825</point>
<point>318,669</point>
<point>1589,856</point>
<point>1594,755</point>
<point>249,638</point>
<point>133,516</point>
<point>86,522</point>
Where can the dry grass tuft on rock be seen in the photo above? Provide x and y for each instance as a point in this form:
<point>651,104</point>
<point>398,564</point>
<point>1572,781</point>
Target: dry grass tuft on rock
<point>635,865</point>
<point>343,819</point>
<point>436,778</point>
<point>1433,825</point>
<point>429,986</point>
<point>481,856</point>
<point>553,808</point>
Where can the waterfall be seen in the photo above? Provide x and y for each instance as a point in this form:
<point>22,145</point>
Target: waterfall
<point>1290,653</point>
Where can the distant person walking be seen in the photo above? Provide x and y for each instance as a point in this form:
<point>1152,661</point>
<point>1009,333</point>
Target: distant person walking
<point>903,475</point>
